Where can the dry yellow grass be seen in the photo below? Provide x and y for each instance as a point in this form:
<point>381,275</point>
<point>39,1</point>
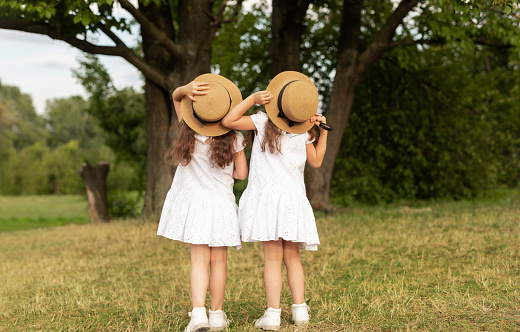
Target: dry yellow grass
<point>438,267</point>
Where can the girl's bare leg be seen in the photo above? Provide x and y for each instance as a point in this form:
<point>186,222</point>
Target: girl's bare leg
<point>295,278</point>
<point>200,258</point>
<point>273,255</point>
<point>217,276</point>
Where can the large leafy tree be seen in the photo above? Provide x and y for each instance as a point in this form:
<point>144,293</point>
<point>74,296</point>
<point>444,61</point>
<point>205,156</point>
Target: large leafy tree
<point>337,42</point>
<point>370,30</point>
<point>176,46</point>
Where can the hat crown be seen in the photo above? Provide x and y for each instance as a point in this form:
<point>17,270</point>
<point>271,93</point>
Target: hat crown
<point>299,100</point>
<point>215,105</point>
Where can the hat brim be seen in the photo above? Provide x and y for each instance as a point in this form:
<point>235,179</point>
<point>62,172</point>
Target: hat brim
<point>210,129</point>
<point>277,83</point>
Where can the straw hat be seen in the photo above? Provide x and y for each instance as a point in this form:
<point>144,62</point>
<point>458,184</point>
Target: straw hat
<point>205,115</point>
<point>295,102</point>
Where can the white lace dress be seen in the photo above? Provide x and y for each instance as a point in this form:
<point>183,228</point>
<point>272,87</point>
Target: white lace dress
<point>274,204</point>
<point>200,206</point>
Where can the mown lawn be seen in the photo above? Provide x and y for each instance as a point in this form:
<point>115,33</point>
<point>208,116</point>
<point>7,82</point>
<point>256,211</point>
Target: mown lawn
<point>24,212</point>
<point>451,266</point>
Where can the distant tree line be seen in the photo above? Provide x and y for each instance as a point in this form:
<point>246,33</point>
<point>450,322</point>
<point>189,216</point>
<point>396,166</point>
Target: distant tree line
<point>40,154</point>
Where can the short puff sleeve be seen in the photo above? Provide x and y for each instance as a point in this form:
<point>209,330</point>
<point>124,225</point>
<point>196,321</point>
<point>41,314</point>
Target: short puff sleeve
<point>260,119</point>
<point>309,139</point>
<point>239,141</point>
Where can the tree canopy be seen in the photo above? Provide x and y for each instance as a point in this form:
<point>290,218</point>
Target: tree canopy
<point>419,92</point>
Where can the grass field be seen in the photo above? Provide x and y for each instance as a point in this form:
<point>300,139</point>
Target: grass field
<point>422,267</point>
<point>24,212</point>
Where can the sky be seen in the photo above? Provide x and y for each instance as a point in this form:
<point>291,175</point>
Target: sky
<point>42,67</point>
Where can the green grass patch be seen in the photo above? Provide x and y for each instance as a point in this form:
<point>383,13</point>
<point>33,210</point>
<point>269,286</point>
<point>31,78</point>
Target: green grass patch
<point>25,212</point>
<point>447,266</point>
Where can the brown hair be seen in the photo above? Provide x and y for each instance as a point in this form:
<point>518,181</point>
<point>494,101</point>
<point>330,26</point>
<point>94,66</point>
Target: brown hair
<point>272,135</point>
<point>222,148</point>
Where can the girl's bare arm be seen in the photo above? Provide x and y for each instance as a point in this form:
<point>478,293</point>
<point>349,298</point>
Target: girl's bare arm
<point>240,171</point>
<point>190,90</point>
<point>235,119</point>
<point>316,154</point>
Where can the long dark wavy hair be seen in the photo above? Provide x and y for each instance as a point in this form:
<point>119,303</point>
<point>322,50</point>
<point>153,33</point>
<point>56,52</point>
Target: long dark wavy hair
<point>272,135</point>
<point>222,152</point>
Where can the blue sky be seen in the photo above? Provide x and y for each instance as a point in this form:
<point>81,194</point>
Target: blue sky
<point>42,67</point>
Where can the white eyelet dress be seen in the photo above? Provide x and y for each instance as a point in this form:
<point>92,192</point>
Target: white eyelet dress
<point>200,206</point>
<point>274,204</point>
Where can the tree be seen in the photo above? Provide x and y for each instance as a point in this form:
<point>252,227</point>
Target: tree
<point>66,119</point>
<point>119,113</point>
<point>176,47</point>
<point>367,31</point>
<point>20,117</point>
<point>444,130</point>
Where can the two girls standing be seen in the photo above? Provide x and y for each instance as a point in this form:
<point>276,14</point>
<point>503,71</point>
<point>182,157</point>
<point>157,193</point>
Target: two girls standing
<point>274,209</point>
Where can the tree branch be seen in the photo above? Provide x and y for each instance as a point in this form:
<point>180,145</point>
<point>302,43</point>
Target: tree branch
<point>411,42</point>
<point>438,41</point>
<point>384,38</point>
<point>152,29</point>
<point>119,50</point>
<point>348,47</point>
<point>217,19</point>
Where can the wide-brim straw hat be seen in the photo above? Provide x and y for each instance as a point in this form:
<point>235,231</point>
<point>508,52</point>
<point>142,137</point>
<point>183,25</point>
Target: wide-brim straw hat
<point>295,102</point>
<point>205,115</point>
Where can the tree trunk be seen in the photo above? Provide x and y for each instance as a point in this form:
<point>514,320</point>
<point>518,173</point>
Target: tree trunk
<point>318,180</point>
<point>286,34</point>
<point>340,104</point>
<point>95,184</point>
<point>195,40</point>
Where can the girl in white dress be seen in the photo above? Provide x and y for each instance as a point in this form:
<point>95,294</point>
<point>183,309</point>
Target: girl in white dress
<point>274,207</point>
<point>200,207</point>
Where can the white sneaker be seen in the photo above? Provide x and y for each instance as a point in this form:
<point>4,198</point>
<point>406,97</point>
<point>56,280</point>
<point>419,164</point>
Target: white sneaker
<point>270,321</point>
<point>217,320</point>
<point>198,321</point>
<point>300,313</point>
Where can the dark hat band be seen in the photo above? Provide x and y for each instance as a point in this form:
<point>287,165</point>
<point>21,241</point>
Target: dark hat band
<point>281,114</point>
<point>204,122</point>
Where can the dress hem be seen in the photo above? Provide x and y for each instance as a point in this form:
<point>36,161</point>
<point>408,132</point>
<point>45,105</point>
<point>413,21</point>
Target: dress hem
<point>237,246</point>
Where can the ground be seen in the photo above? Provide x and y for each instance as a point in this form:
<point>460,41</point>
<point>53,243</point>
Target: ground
<point>449,266</point>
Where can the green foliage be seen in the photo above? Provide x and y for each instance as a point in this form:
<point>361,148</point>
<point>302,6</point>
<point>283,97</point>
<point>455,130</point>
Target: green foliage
<point>119,113</point>
<point>19,124</point>
<point>450,129</point>
<point>124,204</point>
<point>28,171</point>
<point>67,119</point>
<point>72,17</point>
<point>246,40</point>
<point>67,136</point>
<point>62,164</point>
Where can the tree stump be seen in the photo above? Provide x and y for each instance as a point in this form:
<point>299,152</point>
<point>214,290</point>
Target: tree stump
<point>94,179</point>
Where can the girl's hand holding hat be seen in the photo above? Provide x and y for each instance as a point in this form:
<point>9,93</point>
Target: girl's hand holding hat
<point>320,121</point>
<point>262,97</point>
<point>196,88</point>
